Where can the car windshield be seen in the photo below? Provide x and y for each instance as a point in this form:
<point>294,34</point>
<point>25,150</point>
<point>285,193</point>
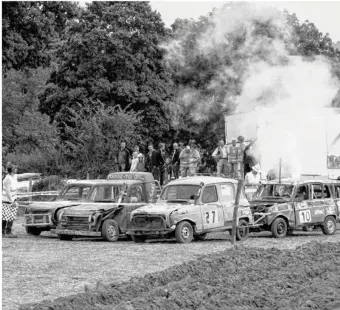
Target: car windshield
<point>106,193</point>
<point>75,192</point>
<point>274,191</point>
<point>179,192</point>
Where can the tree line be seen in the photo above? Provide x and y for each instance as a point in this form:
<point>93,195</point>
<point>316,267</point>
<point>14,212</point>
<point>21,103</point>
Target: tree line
<point>78,80</point>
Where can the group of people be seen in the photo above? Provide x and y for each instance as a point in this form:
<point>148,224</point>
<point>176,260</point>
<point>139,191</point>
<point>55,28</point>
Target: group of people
<point>237,160</point>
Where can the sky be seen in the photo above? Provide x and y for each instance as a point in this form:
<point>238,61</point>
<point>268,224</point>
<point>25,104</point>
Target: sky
<point>324,14</point>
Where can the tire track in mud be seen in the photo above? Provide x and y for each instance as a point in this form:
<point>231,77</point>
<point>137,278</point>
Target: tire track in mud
<point>307,277</point>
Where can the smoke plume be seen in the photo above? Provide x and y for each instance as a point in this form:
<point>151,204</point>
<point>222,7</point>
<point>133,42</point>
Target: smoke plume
<point>252,63</point>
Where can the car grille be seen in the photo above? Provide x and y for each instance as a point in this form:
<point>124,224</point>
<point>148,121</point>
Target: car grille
<point>73,222</point>
<point>149,222</point>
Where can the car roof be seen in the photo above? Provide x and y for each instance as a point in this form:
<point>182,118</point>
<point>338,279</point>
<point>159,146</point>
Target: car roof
<point>197,180</point>
<point>299,182</point>
<point>103,182</point>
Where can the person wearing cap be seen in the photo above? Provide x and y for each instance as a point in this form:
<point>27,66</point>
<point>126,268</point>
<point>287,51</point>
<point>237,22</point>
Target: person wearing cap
<point>9,204</point>
<point>233,159</point>
<point>221,157</point>
<point>253,177</point>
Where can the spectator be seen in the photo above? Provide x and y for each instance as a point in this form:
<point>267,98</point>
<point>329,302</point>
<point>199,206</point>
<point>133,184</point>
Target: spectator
<point>150,158</point>
<point>134,162</point>
<point>159,163</point>
<point>184,157</point>
<point>122,158</point>
<point>253,177</point>
<point>233,159</point>
<point>175,162</point>
<point>221,157</point>
<point>140,163</point>
<point>194,158</point>
<point>9,204</point>
<point>242,146</point>
<point>251,156</point>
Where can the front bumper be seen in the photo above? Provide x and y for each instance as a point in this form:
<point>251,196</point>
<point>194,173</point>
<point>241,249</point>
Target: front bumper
<point>146,231</point>
<point>85,233</point>
<point>38,219</point>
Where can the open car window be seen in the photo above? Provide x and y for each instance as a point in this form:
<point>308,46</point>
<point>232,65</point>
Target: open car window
<point>135,195</point>
<point>209,194</point>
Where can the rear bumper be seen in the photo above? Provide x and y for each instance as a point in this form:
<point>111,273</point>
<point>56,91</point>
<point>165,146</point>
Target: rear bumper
<point>70,232</point>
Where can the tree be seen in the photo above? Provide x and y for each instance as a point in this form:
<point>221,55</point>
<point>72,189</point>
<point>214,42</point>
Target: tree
<point>112,55</point>
<point>29,29</point>
<point>95,139</point>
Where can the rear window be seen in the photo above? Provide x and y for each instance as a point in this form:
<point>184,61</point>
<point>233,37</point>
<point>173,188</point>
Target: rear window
<point>326,191</point>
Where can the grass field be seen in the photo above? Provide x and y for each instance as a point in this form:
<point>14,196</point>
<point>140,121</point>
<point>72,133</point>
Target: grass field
<point>38,268</point>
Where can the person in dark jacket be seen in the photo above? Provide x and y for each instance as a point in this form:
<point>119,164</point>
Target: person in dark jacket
<point>159,162</point>
<point>122,158</point>
<point>175,161</point>
<point>150,158</point>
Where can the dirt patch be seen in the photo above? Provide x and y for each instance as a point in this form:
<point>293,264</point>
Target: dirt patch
<point>239,278</point>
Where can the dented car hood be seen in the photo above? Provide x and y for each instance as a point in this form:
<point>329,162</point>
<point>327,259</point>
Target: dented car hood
<point>46,206</point>
<point>88,208</point>
<point>164,209</point>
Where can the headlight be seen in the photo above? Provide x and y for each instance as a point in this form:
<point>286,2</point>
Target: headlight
<point>273,208</point>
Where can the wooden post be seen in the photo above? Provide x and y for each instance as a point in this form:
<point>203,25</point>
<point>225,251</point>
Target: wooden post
<point>235,215</point>
<point>30,189</point>
<point>280,164</point>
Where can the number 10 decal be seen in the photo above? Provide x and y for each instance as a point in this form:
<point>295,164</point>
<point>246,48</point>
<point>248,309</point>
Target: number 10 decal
<point>211,217</point>
<point>305,216</point>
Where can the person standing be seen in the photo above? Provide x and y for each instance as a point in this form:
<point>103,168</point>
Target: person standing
<point>184,157</point>
<point>159,161</point>
<point>140,164</point>
<point>253,177</point>
<point>242,146</point>
<point>221,157</point>
<point>134,162</point>
<point>122,158</point>
<point>175,161</point>
<point>150,158</point>
<point>9,204</point>
<point>194,158</point>
<point>233,159</point>
<point>251,156</point>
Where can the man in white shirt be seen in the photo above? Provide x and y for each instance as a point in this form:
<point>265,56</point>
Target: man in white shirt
<point>221,156</point>
<point>253,177</point>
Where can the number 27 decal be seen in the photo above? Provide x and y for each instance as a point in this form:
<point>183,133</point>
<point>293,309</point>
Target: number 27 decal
<point>211,217</point>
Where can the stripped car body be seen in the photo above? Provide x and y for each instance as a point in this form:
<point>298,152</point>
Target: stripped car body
<point>281,207</point>
<point>192,207</point>
<point>109,220</point>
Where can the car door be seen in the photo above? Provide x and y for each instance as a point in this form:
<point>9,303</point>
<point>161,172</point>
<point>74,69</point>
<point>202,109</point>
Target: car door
<point>211,208</point>
<point>228,202</point>
<point>303,205</point>
<point>336,197</point>
<point>329,203</point>
<point>316,203</point>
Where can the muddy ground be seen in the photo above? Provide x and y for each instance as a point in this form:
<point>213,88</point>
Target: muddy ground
<point>241,278</point>
<point>41,268</point>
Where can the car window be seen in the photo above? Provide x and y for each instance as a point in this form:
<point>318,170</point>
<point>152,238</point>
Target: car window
<point>337,191</point>
<point>75,192</point>
<point>227,192</point>
<point>106,193</point>
<point>136,194</point>
<point>187,192</point>
<point>302,192</point>
<point>209,194</point>
<point>317,191</point>
<point>326,191</point>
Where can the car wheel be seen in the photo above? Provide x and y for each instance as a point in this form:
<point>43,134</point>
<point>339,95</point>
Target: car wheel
<point>201,236</point>
<point>34,231</point>
<point>110,230</point>
<point>329,226</point>
<point>184,232</point>
<point>279,228</point>
<point>138,238</point>
<point>242,231</point>
<point>65,237</point>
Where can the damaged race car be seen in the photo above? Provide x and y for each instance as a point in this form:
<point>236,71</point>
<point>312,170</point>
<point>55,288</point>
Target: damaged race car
<point>108,215</point>
<point>189,208</point>
<point>282,207</point>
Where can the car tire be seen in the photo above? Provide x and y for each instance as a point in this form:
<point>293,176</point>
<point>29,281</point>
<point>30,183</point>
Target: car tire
<point>279,228</point>
<point>138,238</point>
<point>201,237</point>
<point>33,231</point>
<point>329,226</point>
<point>242,231</point>
<point>184,232</point>
<point>110,230</point>
<point>65,237</point>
